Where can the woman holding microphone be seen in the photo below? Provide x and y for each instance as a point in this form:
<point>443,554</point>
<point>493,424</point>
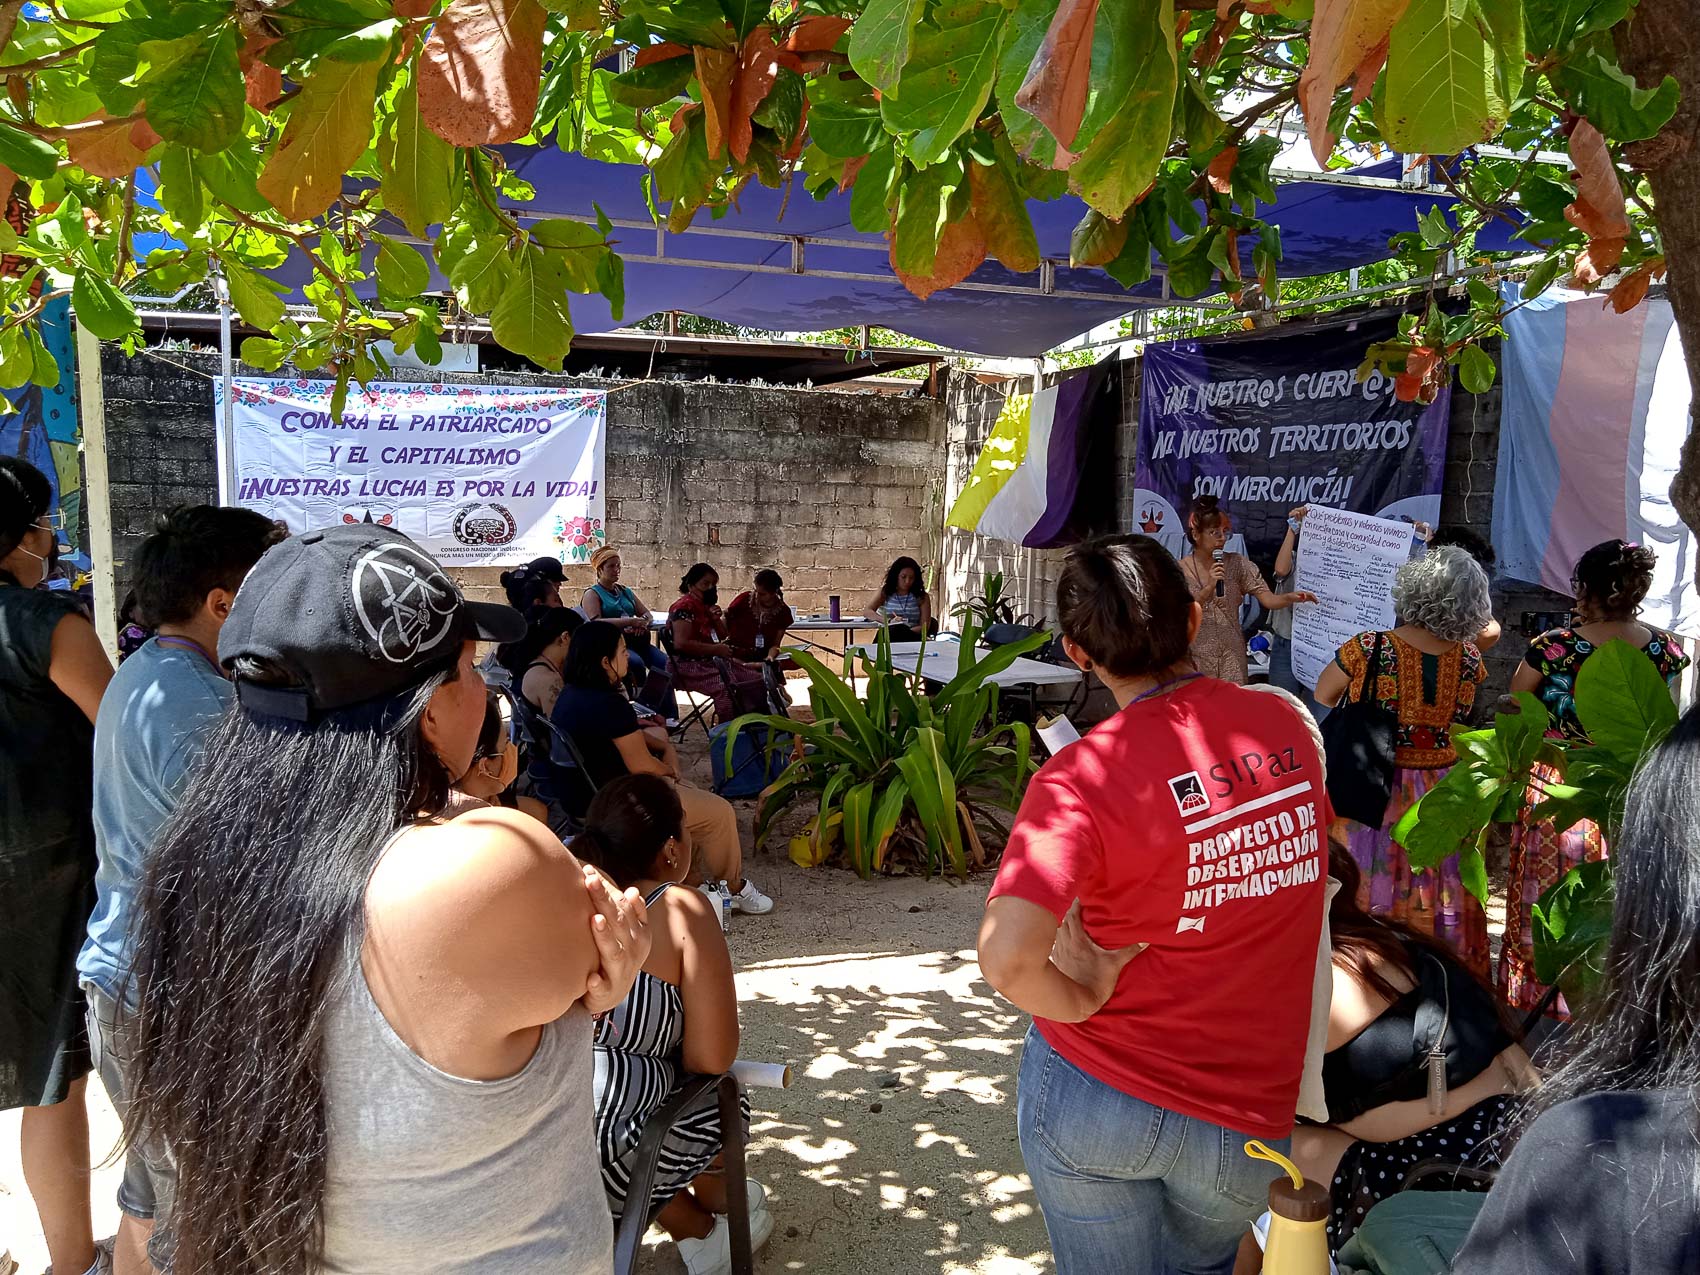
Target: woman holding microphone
<point>1219,582</point>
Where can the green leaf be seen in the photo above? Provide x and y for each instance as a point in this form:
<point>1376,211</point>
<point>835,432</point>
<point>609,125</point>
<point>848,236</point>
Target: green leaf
<point>1096,240</point>
<point>1556,25</point>
<point>681,21</point>
<point>923,208</point>
<point>1132,265</point>
<point>1001,212</point>
<point>1445,85</point>
<point>581,15</point>
<point>932,787</point>
<point>329,126</point>
<point>1119,40</point>
<point>1540,278</point>
<point>1251,180</point>
<point>745,15</point>
<point>27,155</point>
<point>782,109</point>
<point>255,297</point>
<point>1572,929</point>
<point>1476,370</point>
<point>883,39</point>
<point>948,79</point>
<point>194,88</point>
<point>1025,33</point>
<point>1598,89</point>
<point>1191,271</point>
<point>572,251</point>
<point>477,263</point>
<point>684,174</point>
<point>532,318</point>
<point>44,368</point>
<point>415,167</point>
<point>102,308</point>
<point>402,271</point>
<point>430,349</point>
<point>1472,872</point>
<point>1623,703</point>
<point>652,85</point>
<point>264,353</point>
<point>868,197</point>
<point>180,193</point>
<point>233,176</point>
<point>1199,123</point>
<point>845,131</point>
<point>1121,163</point>
<point>17,359</point>
<point>1483,294</point>
<point>1436,230</point>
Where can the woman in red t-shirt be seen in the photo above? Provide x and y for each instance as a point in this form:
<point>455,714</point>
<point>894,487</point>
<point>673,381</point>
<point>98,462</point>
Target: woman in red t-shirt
<point>705,661</point>
<point>1188,832</point>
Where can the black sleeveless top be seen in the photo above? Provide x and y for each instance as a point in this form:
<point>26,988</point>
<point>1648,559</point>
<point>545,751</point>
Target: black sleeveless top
<point>1385,1062</point>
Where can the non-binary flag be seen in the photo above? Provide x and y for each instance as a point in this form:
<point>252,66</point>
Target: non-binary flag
<point>1026,482</point>
<point>1596,408</point>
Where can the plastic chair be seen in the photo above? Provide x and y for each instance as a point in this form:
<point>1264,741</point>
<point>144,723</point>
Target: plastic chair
<point>628,1239</point>
<point>699,710</point>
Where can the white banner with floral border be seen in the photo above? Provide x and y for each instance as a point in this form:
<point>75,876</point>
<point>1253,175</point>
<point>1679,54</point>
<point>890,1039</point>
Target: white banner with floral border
<point>477,475</point>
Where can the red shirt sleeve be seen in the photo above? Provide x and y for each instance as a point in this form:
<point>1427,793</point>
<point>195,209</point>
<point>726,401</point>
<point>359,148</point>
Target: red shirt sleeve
<point>1054,854</point>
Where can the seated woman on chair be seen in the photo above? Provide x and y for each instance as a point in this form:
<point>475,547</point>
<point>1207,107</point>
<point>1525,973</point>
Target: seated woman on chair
<point>611,601</point>
<point>680,1019</point>
<point>702,642</point>
<point>903,603</point>
<point>1396,993</point>
<point>536,659</point>
<point>594,713</point>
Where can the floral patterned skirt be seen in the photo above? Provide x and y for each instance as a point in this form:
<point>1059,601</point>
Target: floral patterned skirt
<point>1433,901</point>
<point>1540,856</point>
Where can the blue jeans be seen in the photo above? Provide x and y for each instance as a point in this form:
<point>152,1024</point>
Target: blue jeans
<point>1281,674</point>
<point>1128,1188</point>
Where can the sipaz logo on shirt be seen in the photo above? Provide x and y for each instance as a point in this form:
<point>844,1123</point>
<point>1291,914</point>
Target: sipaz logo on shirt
<point>1189,793</point>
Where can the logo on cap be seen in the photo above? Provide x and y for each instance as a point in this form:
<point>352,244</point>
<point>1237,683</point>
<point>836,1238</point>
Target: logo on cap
<point>405,603</point>
<point>485,523</point>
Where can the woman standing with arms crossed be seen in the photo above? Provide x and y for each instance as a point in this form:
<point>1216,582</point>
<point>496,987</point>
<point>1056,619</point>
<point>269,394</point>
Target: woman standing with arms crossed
<point>1425,672</point>
<point>52,675</point>
<point>1219,582</point>
<point>1141,1082</point>
<point>1610,582</point>
<point>364,1031</point>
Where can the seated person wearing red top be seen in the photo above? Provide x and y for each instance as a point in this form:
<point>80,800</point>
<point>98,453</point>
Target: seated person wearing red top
<point>705,660</point>
<point>758,618</point>
<point>1158,911</point>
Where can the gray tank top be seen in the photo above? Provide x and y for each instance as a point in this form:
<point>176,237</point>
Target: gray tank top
<point>430,1172</point>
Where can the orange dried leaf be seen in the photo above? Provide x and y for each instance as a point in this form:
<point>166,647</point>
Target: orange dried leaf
<point>852,167</point>
<point>480,71</point>
<point>758,66</point>
<point>816,34</point>
<point>795,149</point>
<point>1210,47</point>
<point>962,247</point>
<point>411,8</point>
<point>715,68</point>
<point>1342,35</point>
<point>1055,89</point>
<point>659,53</point>
<point>1630,291</point>
<point>1221,170</point>
<point>1363,79</point>
<point>1598,210</point>
<point>107,151</point>
<point>1596,261</point>
<point>143,136</point>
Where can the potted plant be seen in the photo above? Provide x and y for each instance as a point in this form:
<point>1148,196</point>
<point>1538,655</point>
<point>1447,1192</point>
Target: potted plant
<point>901,773</point>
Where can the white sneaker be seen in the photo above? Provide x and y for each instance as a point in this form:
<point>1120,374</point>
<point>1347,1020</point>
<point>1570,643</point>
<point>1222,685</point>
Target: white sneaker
<point>751,900</point>
<point>712,1255</point>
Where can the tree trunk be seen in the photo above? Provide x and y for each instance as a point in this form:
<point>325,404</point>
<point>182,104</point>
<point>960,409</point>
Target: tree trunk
<point>1663,38</point>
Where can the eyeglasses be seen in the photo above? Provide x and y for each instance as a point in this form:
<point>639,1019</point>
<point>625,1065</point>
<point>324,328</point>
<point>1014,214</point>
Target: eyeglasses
<point>52,521</point>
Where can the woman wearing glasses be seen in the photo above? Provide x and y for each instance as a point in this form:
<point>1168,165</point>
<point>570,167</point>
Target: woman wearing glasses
<point>52,675</point>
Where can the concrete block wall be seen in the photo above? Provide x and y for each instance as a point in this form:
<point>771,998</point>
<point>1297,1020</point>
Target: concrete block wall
<point>827,487</point>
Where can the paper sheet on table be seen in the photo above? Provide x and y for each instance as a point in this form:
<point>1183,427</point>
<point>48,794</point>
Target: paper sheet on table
<point>1348,561</point>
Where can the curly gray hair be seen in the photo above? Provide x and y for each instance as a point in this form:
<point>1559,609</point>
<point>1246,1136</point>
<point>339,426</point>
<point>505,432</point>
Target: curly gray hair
<point>1445,592</point>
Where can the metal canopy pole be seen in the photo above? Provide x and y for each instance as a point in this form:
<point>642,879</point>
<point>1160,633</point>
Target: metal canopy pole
<point>227,421</point>
<point>97,488</point>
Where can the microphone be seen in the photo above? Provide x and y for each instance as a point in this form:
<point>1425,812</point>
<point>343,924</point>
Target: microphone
<point>1221,585</point>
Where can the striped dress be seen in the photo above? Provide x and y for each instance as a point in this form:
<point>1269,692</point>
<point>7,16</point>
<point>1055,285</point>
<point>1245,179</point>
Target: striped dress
<point>637,1071</point>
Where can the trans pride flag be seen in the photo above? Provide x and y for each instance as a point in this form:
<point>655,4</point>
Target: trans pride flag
<point>1595,413</point>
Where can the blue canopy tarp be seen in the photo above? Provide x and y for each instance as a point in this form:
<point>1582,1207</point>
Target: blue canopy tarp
<point>740,267</point>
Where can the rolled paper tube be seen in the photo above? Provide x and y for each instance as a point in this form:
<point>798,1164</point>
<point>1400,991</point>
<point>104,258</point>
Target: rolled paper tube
<point>762,1075</point>
<point>1058,733</point>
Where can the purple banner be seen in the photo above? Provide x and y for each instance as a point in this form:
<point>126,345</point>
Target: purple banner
<point>1272,422</point>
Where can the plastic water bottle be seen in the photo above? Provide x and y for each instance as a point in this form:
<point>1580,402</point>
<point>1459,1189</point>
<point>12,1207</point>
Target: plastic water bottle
<point>721,897</point>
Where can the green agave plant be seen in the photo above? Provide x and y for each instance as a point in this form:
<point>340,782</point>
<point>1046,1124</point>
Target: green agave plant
<point>1627,710</point>
<point>901,772</point>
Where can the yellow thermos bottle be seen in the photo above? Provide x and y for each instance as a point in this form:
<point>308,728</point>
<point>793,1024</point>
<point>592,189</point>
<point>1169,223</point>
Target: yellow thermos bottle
<point>1298,1220</point>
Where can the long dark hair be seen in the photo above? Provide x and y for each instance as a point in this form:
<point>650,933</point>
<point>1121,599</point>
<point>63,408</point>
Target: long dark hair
<point>1641,1029</point>
<point>253,886</point>
<point>1124,601</point>
<point>1361,941</point>
<point>889,589</point>
<point>25,495</point>
<point>697,572</point>
<point>547,626</point>
<point>595,642</point>
<point>628,824</point>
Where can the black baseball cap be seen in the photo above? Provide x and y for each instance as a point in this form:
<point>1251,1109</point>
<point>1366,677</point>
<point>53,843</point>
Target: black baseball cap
<point>355,612</point>
<point>548,568</point>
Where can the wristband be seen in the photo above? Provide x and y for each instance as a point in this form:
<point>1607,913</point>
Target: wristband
<point>1293,525</point>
